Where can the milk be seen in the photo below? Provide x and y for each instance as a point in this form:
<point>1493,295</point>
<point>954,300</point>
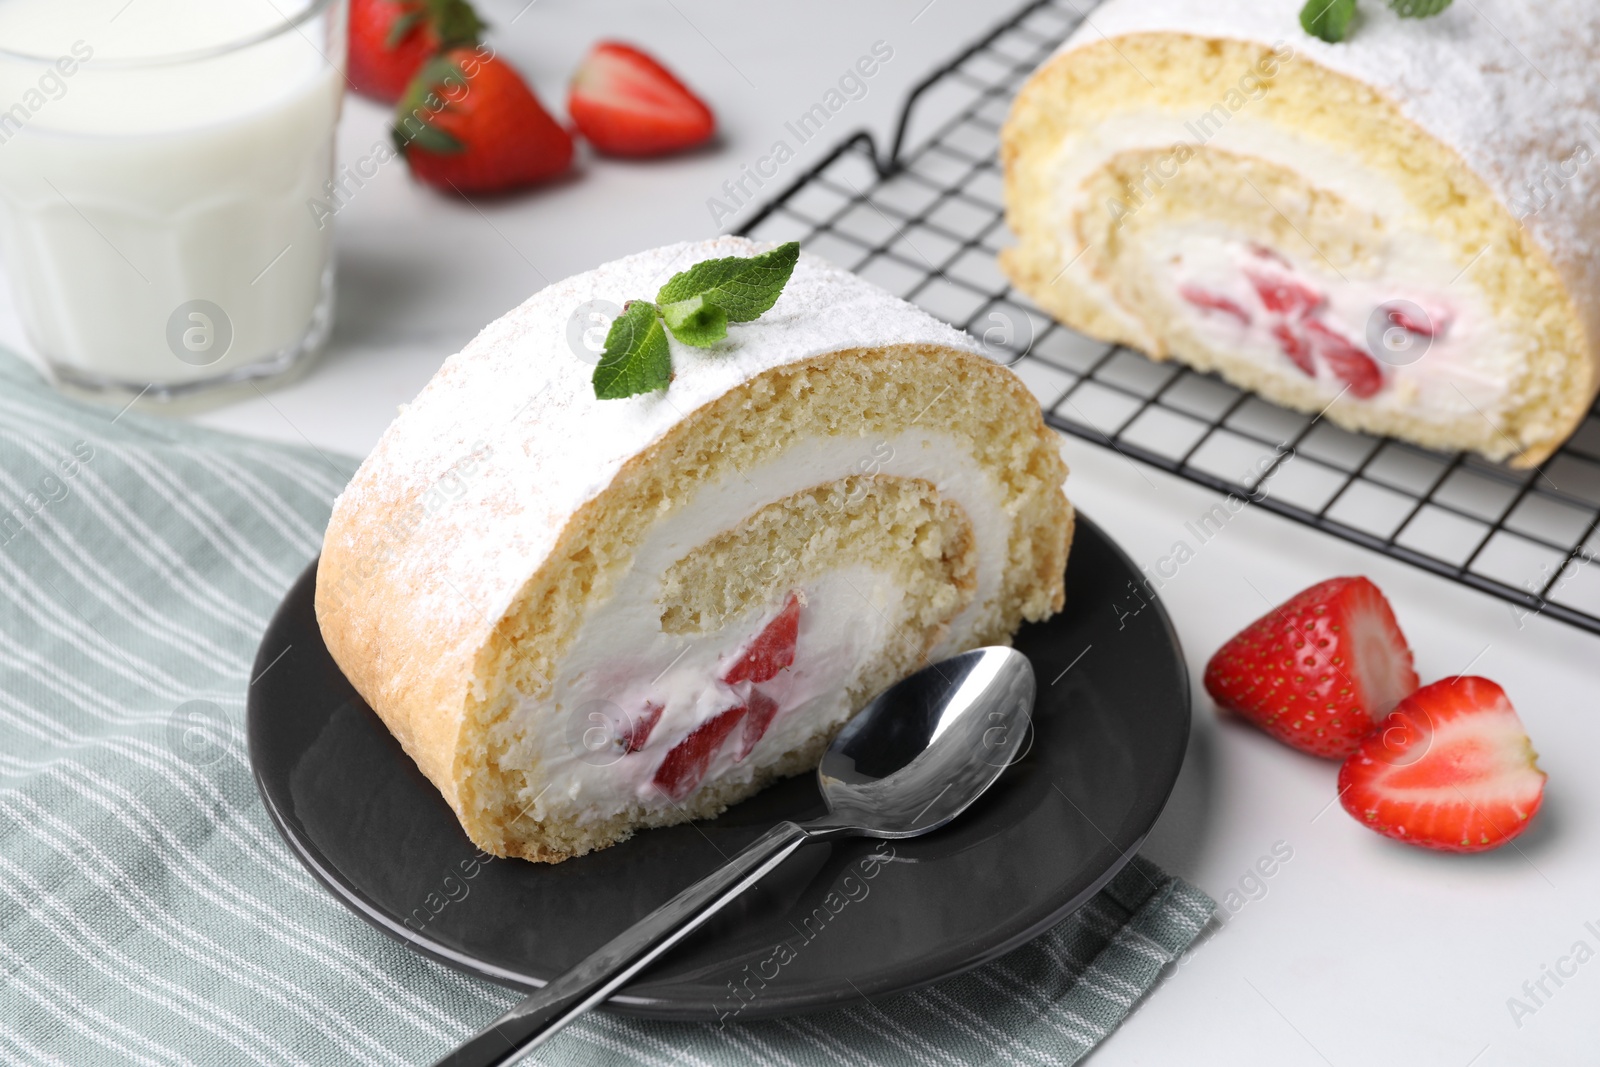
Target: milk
<point>158,160</point>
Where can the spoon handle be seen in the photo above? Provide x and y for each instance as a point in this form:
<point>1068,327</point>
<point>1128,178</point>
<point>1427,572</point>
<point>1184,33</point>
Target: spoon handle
<point>537,1018</point>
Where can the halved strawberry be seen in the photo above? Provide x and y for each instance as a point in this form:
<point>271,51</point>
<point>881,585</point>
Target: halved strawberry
<point>762,709</point>
<point>390,40</point>
<point>1283,295</point>
<point>639,731</point>
<point>772,649</point>
<point>1350,364</point>
<point>1451,768</point>
<point>686,765</point>
<point>627,104</point>
<point>1206,300</point>
<point>469,124</point>
<point>1318,672</point>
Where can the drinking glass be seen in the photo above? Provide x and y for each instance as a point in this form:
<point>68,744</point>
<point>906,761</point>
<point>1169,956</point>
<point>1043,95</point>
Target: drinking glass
<point>165,167</point>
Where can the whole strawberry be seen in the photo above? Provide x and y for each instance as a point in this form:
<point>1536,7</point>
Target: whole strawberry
<point>628,104</point>
<point>390,40</point>
<point>1451,768</point>
<point>1319,671</point>
<point>469,124</point>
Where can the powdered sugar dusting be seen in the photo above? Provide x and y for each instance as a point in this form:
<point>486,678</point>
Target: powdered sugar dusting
<point>1510,85</point>
<point>519,397</point>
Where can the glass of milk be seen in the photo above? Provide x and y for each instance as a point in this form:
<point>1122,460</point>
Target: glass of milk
<point>159,163</point>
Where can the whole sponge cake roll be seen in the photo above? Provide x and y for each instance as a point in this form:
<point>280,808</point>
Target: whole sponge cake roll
<point>1397,228</point>
<point>581,616</point>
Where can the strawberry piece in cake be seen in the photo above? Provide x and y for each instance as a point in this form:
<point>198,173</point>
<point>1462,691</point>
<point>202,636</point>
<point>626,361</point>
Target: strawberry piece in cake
<point>639,731</point>
<point>1283,295</point>
<point>690,758</point>
<point>761,711</point>
<point>1206,300</point>
<point>1427,324</point>
<point>1296,347</point>
<point>772,650</point>
<point>1349,364</point>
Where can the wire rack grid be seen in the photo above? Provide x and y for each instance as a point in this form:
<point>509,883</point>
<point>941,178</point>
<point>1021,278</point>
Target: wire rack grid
<point>927,221</point>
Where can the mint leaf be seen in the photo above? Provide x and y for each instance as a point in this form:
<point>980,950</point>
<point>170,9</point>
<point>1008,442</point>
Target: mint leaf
<point>696,305</point>
<point>743,287</point>
<point>695,322</point>
<point>637,358</point>
<point>1330,19</point>
<point>1418,9</point>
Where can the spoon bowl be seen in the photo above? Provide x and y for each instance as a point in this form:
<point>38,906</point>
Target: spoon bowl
<point>914,758</point>
<point>927,747</point>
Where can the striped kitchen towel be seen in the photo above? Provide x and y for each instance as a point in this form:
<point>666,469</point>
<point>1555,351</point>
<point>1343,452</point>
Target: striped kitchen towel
<point>148,912</point>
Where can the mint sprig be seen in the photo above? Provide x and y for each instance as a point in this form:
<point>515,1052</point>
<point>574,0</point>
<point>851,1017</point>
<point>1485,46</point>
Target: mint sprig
<point>1330,19</point>
<point>696,306</point>
<point>696,321</point>
<point>636,358</point>
<point>743,287</point>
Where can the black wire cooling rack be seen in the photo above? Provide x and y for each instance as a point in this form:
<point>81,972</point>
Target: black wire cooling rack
<point>926,222</point>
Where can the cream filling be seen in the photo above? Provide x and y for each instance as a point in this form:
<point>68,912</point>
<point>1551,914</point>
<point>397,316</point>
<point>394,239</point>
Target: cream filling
<point>1469,368</point>
<point>621,660</point>
<point>1442,377</point>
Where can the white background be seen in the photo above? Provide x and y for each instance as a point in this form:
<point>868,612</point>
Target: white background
<point>1360,951</point>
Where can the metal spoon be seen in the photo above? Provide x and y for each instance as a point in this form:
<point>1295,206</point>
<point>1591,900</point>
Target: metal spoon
<point>913,759</point>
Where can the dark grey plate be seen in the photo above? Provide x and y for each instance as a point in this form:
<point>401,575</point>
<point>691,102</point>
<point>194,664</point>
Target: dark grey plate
<point>1109,734</point>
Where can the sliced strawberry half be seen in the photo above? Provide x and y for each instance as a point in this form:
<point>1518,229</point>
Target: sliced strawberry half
<point>1451,768</point>
<point>628,104</point>
<point>1283,295</point>
<point>686,765</point>
<point>762,710</point>
<point>1350,364</point>
<point>1318,672</point>
<point>1206,300</point>
<point>639,729</point>
<point>772,649</point>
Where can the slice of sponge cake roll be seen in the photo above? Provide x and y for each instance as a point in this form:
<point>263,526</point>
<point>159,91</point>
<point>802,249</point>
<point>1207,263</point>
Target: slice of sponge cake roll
<point>634,612</point>
<point>1397,229</point>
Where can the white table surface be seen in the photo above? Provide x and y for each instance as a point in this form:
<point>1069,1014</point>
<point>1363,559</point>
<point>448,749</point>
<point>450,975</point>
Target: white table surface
<point>1359,951</point>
